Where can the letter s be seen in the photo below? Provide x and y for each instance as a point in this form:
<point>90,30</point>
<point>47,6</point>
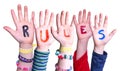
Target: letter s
<point>101,32</point>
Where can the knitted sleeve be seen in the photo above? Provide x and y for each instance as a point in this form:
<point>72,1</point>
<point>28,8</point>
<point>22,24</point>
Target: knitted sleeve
<point>40,61</point>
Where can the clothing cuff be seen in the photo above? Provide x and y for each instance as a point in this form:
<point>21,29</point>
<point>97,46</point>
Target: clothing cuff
<point>100,56</point>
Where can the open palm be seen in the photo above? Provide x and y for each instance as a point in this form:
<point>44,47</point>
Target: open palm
<point>64,33</point>
<point>100,35</point>
<point>20,23</point>
<point>83,25</point>
<point>43,32</point>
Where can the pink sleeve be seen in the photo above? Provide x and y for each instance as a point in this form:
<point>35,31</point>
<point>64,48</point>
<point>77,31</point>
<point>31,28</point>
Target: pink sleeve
<point>81,64</point>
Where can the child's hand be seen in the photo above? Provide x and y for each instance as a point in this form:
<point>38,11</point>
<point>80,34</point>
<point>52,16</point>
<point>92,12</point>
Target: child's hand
<point>83,25</point>
<point>24,32</point>
<point>64,33</point>
<point>100,35</point>
<point>43,32</point>
<point>83,31</point>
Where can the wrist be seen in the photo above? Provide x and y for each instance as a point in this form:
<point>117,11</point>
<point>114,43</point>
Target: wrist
<point>43,48</point>
<point>82,44</point>
<point>83,41</point>
<point>65,45</point>
<point>26,50</point>
<point>25,45</point>
<point>99,49</point>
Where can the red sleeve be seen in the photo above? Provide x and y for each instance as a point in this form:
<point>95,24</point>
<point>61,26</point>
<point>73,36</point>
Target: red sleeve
<point>81,64</point>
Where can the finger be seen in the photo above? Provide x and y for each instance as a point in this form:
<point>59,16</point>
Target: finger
<point>20,13</point>
<point>89,18</point>
<point>32,20</point>
<point>100,19</point>
<point>62,18</point>
<point>51,21</point>
<point>11,31</point>
<point>105,22</point>
<point>79,17</point>
<point>14,17</point>
<point>75,21</point>
<point>25,13</point>
<point>58,21</point>
<point>84,16</point>
<point>67,18</point>
<point>72,22</point>
<point>95,21</point>
<point>41,19</point>
<point>112,34</point>
<point>46,18</point>
<point>72,27</point>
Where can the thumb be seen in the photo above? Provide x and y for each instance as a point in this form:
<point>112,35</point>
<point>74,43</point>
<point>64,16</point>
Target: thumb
<point>112,33</point>
<point>11,31</point>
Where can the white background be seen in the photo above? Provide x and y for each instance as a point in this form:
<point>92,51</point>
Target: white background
<point>9,46</point>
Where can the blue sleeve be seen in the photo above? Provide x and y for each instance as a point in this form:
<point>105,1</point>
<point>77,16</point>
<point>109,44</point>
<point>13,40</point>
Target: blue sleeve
<point>98,61</point>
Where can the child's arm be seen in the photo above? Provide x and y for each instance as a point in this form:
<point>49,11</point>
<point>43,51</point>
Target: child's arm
<point>24,35</point>
<point>83,31</point>
<point>44,39</point>
<point>100,38</point>
<point>64,35</point>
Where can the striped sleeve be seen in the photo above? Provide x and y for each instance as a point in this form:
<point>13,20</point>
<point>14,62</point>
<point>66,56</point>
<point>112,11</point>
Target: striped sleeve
<point>40,61</point>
